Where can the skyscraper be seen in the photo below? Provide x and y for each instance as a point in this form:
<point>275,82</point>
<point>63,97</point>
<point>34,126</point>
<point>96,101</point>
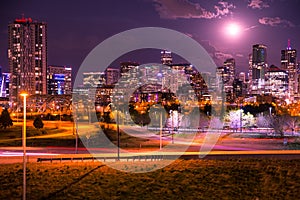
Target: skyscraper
<point>112,76</point>
<point>166,57</point>
<point>258,68</point>
<point>229,65</point>
<point>27,57</point>
<point>227,73</point>
<point>93,79</point>
<point>59,80</point>
<point>289,63</point>
<point>129,73</point>
<point>276,82</point>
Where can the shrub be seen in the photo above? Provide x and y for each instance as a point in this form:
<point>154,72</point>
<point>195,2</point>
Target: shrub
<point>38,123</point>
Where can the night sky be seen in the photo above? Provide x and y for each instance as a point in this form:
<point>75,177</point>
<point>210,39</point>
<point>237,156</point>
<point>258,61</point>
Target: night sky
<point>76,27</point>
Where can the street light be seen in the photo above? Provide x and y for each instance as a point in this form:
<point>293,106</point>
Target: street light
<point>118,132</point>
<point>160,132</point>
<point>75,119</point>
<point>89,111</point>
<point>24,95</point>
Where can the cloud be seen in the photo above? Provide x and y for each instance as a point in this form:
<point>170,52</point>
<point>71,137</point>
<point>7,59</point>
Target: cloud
<point>222,56</point>
<point>239,55</point>
<point>258,4</point>
<point>276,22</point>
<point>250,28</point>
<point>218,56</point>
<point>186,10</point>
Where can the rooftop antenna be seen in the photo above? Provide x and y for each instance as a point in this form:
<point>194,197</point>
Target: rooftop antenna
<point>289,44</point>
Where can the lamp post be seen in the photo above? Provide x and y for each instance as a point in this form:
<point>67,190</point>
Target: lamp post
<point>76,128</point>
<point>118,132</point>
<point>160,132</point>
<point>241,118</point>
<point>24,95</point>
<point>89,111</point>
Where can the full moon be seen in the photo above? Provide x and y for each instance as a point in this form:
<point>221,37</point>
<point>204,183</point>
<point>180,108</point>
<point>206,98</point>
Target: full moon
<point>233,30</point>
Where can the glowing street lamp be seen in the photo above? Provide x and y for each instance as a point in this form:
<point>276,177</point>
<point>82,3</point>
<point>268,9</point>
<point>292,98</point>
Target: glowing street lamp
<point>24,95</point>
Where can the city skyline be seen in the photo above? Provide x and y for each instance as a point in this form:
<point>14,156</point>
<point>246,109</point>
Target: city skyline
<point>225,29</point>
<point>131,99</point>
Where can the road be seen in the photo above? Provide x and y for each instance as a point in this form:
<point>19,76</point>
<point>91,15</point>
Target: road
<point>225,146</point>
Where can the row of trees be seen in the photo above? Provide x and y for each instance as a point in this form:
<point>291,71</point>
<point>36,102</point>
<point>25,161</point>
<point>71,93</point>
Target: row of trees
<point>234,119</point>
<point>6,121</point>
<point>279,123</point>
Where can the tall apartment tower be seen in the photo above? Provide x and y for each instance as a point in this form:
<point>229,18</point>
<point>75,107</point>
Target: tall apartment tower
<point>27,57</point>
<point>258,68</point>
<point>289,63</point>
<point>166,57</point>
<point>229,64</point>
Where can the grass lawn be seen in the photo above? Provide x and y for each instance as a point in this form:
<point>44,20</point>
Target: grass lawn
<point>11,136</point>
<point>192,179</point>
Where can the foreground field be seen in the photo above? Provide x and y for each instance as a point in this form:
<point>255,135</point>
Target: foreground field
<point>193,179</point>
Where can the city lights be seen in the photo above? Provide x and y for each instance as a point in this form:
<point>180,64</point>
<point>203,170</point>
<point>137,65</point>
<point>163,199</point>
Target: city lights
<point>155,99</point>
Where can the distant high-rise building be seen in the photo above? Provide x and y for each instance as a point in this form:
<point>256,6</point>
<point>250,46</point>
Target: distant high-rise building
<point>237,88</point>
<point>6,77</point>
<point>27,57</point>
<point>242,77</point>
<point>112,76</point>
<point>166,57</point>
<point>258,68</point>
<point>227,74</point>
<point>177,78</point>
<point>197,81</point>
<point>59,79</point>
<point>93,79</point>
<point>229,64</point>
<point>276,82</point>
<point>289,63</point>
<point>129,79</point>
<point>3,83</point>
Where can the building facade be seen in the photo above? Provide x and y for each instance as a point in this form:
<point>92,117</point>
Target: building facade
<point>277,83</point>
<point>258,68</point>
<point>112,76</point>
<point>227,74</point>
<point>27,58</point>
<point>59,80</point>
<point>166,57</point>
<point>289,63</point>
<point>93,79</point>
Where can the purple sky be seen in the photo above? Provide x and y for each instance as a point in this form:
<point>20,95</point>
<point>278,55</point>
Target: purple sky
<point>76,27</point>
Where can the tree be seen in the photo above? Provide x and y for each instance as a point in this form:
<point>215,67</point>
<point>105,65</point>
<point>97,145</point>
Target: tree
<point>248,120</point>
<point>5,119</point>
<point>277,122</point>
<point>238,119</point>
<point>38,123</point>
<point>263,121</point>
<point>292,122</point>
